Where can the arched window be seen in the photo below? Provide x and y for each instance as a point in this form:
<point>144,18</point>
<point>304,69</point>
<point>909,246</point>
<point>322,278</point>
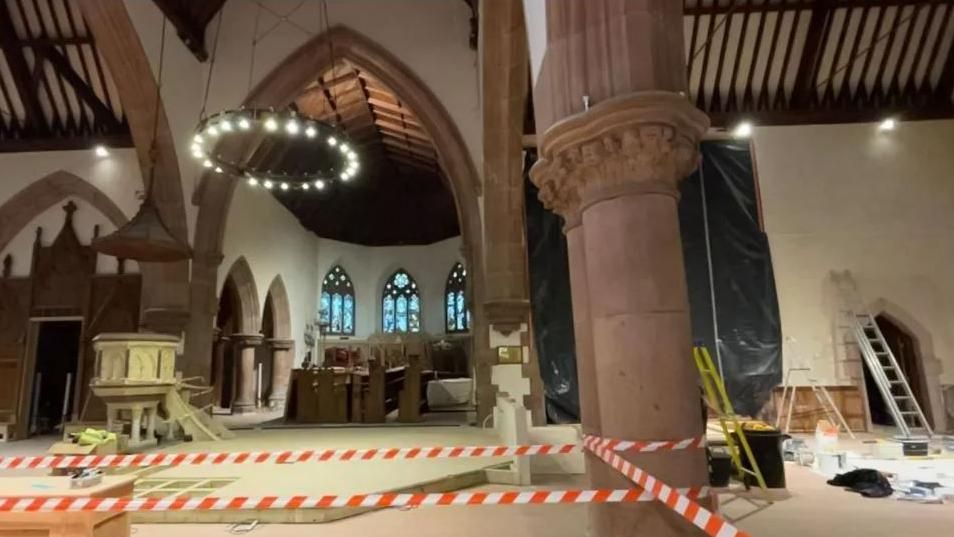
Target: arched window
<point>457,318</point>
<point>336,308</point>
<point>401,302</point>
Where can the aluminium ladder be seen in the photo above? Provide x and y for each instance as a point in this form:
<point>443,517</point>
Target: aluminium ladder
<point>826,404</point>
<point>878,357</point>
<point>718,400</point>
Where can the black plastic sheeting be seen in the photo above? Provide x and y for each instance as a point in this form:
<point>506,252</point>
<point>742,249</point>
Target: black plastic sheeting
<point>743,284</point>
<point>551,307</point>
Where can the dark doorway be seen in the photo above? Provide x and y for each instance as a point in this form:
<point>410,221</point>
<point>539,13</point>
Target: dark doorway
<point>57,352</point>
<point>223,360</point>
<point>905,350</point>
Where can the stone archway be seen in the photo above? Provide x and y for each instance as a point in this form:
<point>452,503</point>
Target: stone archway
<point>244,281</point>
<point>279,88</point>
<point>281,310</point>
<point>44,193</point>
<point>930,367</point>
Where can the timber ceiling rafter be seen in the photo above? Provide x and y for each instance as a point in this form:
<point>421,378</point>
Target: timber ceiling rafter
<point>400,195</point>
<point>55,90</point>
<point>786,62</point>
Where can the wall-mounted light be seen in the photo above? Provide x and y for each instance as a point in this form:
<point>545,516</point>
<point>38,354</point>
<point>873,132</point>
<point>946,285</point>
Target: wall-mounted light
<point>742,130</point>
<point>101,151</point>
<point>887,125</point>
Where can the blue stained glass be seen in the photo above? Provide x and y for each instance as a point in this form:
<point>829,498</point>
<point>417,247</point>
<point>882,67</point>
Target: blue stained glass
<point>451,317</point>
<point>414,313</point>
<point>461,317</point>
<point>389,314</point>
<point>401,314</point>
<point>324,310</point>
<point>401,280</point>
<point>336,312</point>
<point>348,314</point>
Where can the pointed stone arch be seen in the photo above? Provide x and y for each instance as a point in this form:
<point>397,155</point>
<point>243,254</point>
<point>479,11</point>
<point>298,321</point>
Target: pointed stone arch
<point>279,88</point>
<point>44,193</point>
<point>244,281</point>
<point>281,310</point>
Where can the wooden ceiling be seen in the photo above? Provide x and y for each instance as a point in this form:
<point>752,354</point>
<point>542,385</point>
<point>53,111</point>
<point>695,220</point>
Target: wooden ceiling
<point>784,62</point>
<point>55,90</point>
<point>400,196</point>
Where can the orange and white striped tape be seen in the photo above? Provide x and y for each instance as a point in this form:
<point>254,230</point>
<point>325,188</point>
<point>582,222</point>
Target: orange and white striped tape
<point>327,455</point>
<point>538,497</point>
<point>709,522</point>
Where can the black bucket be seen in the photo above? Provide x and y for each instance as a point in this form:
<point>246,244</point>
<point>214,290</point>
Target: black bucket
<point>720,469</point>
<point>767,450</point>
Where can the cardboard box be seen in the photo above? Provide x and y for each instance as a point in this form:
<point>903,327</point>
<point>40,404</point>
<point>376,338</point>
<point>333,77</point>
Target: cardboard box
<point>69,448</point>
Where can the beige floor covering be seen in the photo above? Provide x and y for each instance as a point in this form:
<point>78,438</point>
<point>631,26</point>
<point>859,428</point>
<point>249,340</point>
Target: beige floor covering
<point>814,510</point>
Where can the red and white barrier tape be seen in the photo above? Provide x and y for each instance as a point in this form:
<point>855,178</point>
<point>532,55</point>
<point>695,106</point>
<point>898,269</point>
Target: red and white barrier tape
<point>709,522</point>
<point>327,455</point>
<point>538,497</point>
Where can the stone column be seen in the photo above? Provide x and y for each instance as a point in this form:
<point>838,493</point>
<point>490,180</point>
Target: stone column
<point>244,399</point>
<point>621,161</point>
<point>281,370</point>
<point>220,347</point>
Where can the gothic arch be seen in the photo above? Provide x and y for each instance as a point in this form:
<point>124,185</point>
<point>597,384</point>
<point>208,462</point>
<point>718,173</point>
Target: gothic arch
<point>278,88</point>
<point>241,274</point>
<point>924,345</point>
<point>281,311</point>
<point>40,195</point>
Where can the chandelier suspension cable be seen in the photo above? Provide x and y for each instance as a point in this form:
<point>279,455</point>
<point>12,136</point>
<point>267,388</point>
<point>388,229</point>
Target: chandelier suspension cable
<point>215,48</point>
<point>251,61</point>
<point>331,55</point>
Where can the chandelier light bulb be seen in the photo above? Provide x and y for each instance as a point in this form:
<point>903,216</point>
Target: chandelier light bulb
<point>344,176</point>
<point>197,138</point>
<point>284,186</point>
<point>352,155</point>
<point>319,184</point>
<point>310,132</point>
<point>207,163</point>
<point>226,125</point>
<point>332,141</point>
<point>218,169</point>
<point>344,148</point>
<point>305,186</point>
<point>268,184</point>
<point>244,124</point>
<point>292,127</point>
<point>271,125</point>
<point>213,131</point>
<point>252,181</point>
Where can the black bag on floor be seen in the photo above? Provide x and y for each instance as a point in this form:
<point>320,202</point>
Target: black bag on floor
<point>869,483</point>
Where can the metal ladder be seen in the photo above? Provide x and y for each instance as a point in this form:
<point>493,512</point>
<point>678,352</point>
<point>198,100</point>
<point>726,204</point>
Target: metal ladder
<point>826,404</point>
<point>887,374</point>
<point>889,377</point>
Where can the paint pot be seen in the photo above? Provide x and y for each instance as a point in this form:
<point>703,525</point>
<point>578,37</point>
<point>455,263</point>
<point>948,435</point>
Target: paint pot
<point>831,463</point>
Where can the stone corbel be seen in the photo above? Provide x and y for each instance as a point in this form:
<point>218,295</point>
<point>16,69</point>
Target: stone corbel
<point>506,315</point>
<point>277,344</point>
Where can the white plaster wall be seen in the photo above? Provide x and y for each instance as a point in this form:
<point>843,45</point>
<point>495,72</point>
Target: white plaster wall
<point>84,219</point>
<point>535,19</point>
<point>880,204</point>
<point>370,267</point>
<point>273,243</point>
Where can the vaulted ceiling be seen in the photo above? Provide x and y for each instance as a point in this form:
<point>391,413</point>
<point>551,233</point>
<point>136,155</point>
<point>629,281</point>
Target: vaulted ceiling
<point>400,196</point>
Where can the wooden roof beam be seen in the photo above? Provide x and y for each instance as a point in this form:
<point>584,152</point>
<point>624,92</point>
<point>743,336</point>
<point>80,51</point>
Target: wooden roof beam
<point>808,66</point>
<point>22,78</point>
<point>80,87</point>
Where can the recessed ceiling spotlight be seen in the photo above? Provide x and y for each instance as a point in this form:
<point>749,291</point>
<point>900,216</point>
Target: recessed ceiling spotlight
<point>888,125</point>
<point>101,151</point>
<point>742,130</point>
<point>271,125</point>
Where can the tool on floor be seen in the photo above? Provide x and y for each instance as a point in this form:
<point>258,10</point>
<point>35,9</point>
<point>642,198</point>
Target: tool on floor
<point>826,403</point>
<point>718,400</point>
<point>880,360</point>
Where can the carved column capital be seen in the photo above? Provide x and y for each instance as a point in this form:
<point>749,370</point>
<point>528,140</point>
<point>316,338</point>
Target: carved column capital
<point>641,142</point>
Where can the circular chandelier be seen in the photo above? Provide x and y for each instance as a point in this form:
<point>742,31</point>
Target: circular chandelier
<point>313,153</point>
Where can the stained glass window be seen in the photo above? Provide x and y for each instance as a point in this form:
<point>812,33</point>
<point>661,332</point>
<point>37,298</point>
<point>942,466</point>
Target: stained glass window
<point>401,303</point>
<point>336,306</point>
<point>457,318</point>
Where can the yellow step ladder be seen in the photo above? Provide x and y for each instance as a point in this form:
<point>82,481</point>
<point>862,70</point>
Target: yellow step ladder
<point>718,400</point>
